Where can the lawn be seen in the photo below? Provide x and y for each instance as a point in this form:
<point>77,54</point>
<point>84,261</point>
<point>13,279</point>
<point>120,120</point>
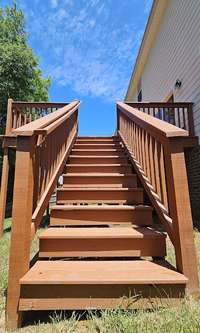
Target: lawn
<point>185,318</point>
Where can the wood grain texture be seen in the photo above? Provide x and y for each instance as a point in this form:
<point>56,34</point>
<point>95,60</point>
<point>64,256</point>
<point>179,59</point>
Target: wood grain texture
<point>100,272</point>
<point>21,226</point>
<point>165,180</point>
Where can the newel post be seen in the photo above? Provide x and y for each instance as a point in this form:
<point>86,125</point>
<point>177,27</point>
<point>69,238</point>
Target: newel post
<point>118,124</point>
<point>180,212</point>
<point>21,226</point>
<point>5,168</point>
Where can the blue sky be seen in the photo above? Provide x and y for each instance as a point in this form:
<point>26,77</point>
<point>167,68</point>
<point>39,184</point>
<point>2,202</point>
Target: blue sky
<point>88,47</point>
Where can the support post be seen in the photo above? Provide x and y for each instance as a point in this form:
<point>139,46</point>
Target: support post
<point>4,186</point>
<point>180,212</point>
<point>21,227</point>
<point>5,169</point>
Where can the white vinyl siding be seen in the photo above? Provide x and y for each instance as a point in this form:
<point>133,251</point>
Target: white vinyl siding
<point>175,54</point>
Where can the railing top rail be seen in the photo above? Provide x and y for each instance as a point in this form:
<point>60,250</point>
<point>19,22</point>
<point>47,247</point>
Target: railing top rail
<point>40,125</point>
<point>161,104</point>
<point>17,104</point>
<point>156,126</point>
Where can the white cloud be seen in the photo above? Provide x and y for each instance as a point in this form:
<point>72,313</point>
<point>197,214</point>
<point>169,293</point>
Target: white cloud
<point>87,46</point>
<point>54,3</point>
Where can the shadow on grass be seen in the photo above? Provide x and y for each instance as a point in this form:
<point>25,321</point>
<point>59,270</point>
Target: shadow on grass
<point>6,230</point>
<point>47,317</point>
<point>44,223</point>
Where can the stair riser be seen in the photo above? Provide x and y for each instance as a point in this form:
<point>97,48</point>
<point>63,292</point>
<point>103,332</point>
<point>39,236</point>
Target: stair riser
<point>126,181</point>
<point>82,152</point>
<point>97,160</point>
<point>98,168</point>
<point>125,197</point>
<point>98,296</point>
<point>96,217</point>
<point>97,146</point>
<point>110,247</point>
<point>91,137</point>
<point>97,141</point>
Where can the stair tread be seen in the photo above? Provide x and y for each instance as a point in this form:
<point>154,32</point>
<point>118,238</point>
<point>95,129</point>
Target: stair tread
<point>115,232</point>
<point>100,150</point>
<point>99,174</point>
<point>103,207</point>
<point>99,143</point>
<point>110,140</point>
<point>102,165</point>
<point>97,137</point>
<point>113,189</point>
<point>101,272</point>
<point>99,156</point>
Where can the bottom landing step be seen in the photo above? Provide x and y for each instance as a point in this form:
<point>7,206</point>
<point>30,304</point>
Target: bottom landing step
<point>77,285</point>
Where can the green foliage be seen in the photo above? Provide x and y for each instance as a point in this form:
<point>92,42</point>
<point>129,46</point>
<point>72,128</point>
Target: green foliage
<point>20,76</point>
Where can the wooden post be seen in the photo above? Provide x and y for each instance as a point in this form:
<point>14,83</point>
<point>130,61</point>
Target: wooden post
<point>191,120</point>
<point>180,212</point>
<point>5,169</point>
<point>118,115</point>
<point>4,185</point>
<point>21,227</point>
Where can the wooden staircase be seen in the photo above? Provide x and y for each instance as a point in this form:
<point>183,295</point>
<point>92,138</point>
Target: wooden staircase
<point>101,247</point>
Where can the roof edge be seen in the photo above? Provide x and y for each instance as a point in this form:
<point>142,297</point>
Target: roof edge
<point>152,27</point>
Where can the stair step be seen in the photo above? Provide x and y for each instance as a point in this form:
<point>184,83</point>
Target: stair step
<point>102,242</point>
<point>97,168</point>
<point>103,152</point>
<point>98,137</point>
<point>74,159</point>
<point>97,141</point>
<point>59,285</point>
<point>100,194</point>
<point>95,146</point>
<point>100,215</point>
<point>104,180</point>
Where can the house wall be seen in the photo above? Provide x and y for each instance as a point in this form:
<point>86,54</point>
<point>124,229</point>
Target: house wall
<point>174,55</point>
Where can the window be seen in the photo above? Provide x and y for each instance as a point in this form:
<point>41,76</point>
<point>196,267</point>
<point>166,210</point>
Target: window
<point>139,98</point>
<point>139,89</point>
<point>170,116</point>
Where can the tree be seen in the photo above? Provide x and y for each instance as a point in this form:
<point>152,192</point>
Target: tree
<point>20,76</point>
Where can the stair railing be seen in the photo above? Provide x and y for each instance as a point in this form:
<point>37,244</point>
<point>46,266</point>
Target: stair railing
<point>19,114</point>
<point>22,113</point>
<point>156,150</point>
<point>179,114</point>
<point>42,149</point>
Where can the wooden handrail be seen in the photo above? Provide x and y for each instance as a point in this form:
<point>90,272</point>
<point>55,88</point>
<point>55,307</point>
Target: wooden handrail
<point>19,104</point>
<point>151,124</point>
<point>21,120</point>
<point>179,114</point>
<point>21,113</point>
<point>156,150</point>
<point>42,123</point>
<point>39,163</point>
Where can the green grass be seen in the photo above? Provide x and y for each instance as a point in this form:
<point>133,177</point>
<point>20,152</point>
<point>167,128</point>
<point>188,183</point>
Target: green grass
<point>184,318</point>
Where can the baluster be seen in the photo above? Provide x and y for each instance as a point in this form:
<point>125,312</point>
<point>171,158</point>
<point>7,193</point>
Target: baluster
<point>162,173</point>
<point>148,156</point>
<point>143,152</point>
<point>139,146</point>
<point>184,125</point>
<point>186,119</point>
<point>178,117</point>
<point>157,174</point>
<point>190,119</point>
<point>151,154</point>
